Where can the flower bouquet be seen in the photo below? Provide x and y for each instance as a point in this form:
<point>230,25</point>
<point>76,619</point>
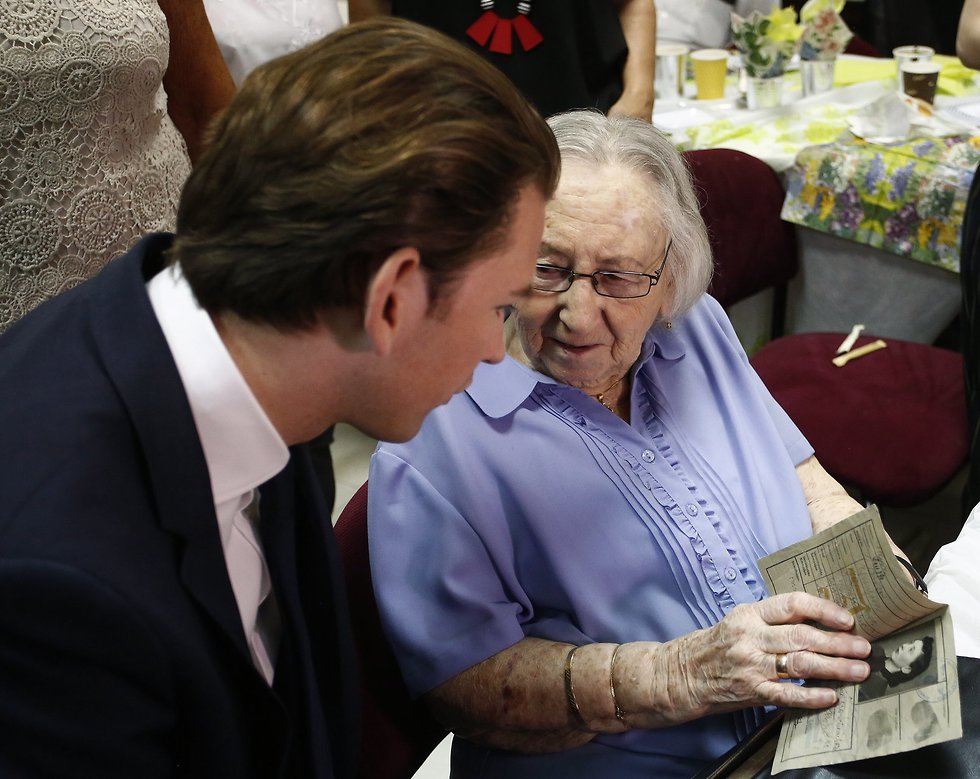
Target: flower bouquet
<point>766,42</point>
<point>825,34</point>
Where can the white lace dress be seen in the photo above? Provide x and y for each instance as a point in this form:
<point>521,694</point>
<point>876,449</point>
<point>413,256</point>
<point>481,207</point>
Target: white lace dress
<point>89,158</point>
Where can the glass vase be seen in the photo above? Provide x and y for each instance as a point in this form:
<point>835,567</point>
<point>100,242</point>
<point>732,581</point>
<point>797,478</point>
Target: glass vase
<point>817,76</point>
<point>764,92</point>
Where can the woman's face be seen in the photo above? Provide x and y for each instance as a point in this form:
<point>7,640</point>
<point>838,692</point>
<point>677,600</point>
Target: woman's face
<point>600,219</point>
<point>907,653</point>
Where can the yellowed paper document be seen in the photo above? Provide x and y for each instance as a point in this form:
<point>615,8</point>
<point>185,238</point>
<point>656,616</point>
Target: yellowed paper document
<point>911,698</point>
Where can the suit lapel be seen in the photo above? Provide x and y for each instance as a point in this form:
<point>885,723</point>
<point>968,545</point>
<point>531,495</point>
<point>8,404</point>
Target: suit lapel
<point>137,358</point>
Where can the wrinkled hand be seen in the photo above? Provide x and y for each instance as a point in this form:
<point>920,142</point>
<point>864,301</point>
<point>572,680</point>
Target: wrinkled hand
<point>733,664</point>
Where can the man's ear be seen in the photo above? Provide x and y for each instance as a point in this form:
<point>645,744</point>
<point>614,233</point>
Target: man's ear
<point>397,297</point>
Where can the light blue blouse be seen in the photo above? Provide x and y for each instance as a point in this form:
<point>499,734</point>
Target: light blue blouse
<point>525,508</point>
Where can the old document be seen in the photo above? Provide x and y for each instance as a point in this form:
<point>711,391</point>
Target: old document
<point>910,698</point>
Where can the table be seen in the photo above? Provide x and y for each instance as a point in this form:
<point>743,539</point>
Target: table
<point>864,209</point>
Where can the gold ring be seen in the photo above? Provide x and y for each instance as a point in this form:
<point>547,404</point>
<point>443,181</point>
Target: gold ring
<point>782,667</point>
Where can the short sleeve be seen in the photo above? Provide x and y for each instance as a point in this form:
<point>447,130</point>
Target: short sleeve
<point>797,446</point>
<point>439,588</point>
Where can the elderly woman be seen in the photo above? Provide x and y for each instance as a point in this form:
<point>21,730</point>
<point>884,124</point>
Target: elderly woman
<point>565,557</point>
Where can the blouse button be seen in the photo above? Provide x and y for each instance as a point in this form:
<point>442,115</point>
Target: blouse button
<point>648,456</point>
<point>730,574</point>
<point>692,509</point>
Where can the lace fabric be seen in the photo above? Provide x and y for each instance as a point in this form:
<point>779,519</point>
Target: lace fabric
<point>89,158</point>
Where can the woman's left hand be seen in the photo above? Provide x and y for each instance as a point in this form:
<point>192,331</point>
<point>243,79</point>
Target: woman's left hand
<point>743,661</point>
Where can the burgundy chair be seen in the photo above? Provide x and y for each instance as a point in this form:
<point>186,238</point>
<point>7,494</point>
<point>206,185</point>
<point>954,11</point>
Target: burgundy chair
<point>741,198</point>
<point>397,733</point>
<point>858,45</point>
<point>891,425</point>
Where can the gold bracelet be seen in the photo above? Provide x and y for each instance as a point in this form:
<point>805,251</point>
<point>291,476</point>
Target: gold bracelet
<point>620,714</point>
<point>570,691</point>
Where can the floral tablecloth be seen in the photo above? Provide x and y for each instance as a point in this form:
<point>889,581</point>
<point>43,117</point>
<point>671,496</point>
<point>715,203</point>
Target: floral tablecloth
<point>906,198</point>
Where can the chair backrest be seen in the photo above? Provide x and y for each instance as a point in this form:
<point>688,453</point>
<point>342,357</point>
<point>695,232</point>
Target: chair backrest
<point>857,45</point>
<point>741,200</point>
<point>397,733</point>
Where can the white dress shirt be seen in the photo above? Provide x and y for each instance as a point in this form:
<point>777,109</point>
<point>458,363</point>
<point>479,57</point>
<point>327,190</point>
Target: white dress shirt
<point>242,449</point>
<point>954,578</point>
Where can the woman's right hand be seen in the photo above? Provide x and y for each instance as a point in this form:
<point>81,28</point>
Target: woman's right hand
<point>733,664</point>
<point>516,699</point>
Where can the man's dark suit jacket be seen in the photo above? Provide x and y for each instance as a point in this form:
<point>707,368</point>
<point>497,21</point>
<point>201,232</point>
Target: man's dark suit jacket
<point>121,648</point>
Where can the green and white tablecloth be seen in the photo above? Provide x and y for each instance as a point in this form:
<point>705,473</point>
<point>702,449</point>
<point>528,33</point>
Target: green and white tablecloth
<point>905,197</point>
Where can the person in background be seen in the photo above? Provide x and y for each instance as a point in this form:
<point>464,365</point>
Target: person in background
<point>968,34</point>
<point>954,578</point>
<point>563,54</point>
<point>704,23</point>
<point>968,50</point>
<point>250,32</point>
<point>592,509</point>
<point>170,599</point>
<point>101,105</point>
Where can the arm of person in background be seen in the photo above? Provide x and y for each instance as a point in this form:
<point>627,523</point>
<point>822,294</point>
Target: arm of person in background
<point>359,10</point>
<point>968,34</point>
<point>517,698</point>
<point>828,502</point>
<point>197,81</point>
<point>639,22</point>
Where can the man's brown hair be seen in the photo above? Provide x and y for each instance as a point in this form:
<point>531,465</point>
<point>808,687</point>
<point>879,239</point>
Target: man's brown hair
<point>384,135</point>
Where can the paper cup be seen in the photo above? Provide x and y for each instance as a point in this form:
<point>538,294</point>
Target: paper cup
<point>919,79</point>
<point>904,54</point>
<point>709,66</point>
<point>669,80</point>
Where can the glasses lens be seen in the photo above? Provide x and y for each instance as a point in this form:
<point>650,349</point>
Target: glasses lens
<point>548,278</point>
<point>622,285</point>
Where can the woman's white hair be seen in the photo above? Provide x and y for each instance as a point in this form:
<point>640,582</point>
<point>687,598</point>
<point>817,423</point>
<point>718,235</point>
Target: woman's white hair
<point>594,139</point>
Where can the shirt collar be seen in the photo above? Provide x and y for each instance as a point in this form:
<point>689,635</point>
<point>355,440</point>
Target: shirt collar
<point>499,389</point>
<point>241,446</point>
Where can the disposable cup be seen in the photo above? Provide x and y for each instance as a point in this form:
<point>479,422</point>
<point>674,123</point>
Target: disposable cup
<point>709,67</point>
<point>913,53</point>
<point>669,81</point>
<point>919,80</point>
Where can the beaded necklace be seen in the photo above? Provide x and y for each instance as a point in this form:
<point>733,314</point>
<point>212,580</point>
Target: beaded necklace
<point>492,28</point>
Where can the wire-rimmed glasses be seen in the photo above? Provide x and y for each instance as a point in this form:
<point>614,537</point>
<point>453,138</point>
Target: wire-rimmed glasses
<point>608,283</point>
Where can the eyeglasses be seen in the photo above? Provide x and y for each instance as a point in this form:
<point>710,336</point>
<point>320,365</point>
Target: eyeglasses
<point>608,283</point>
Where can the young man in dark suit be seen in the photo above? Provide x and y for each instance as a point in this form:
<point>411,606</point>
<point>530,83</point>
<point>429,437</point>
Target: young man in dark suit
<point>170,600</point>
